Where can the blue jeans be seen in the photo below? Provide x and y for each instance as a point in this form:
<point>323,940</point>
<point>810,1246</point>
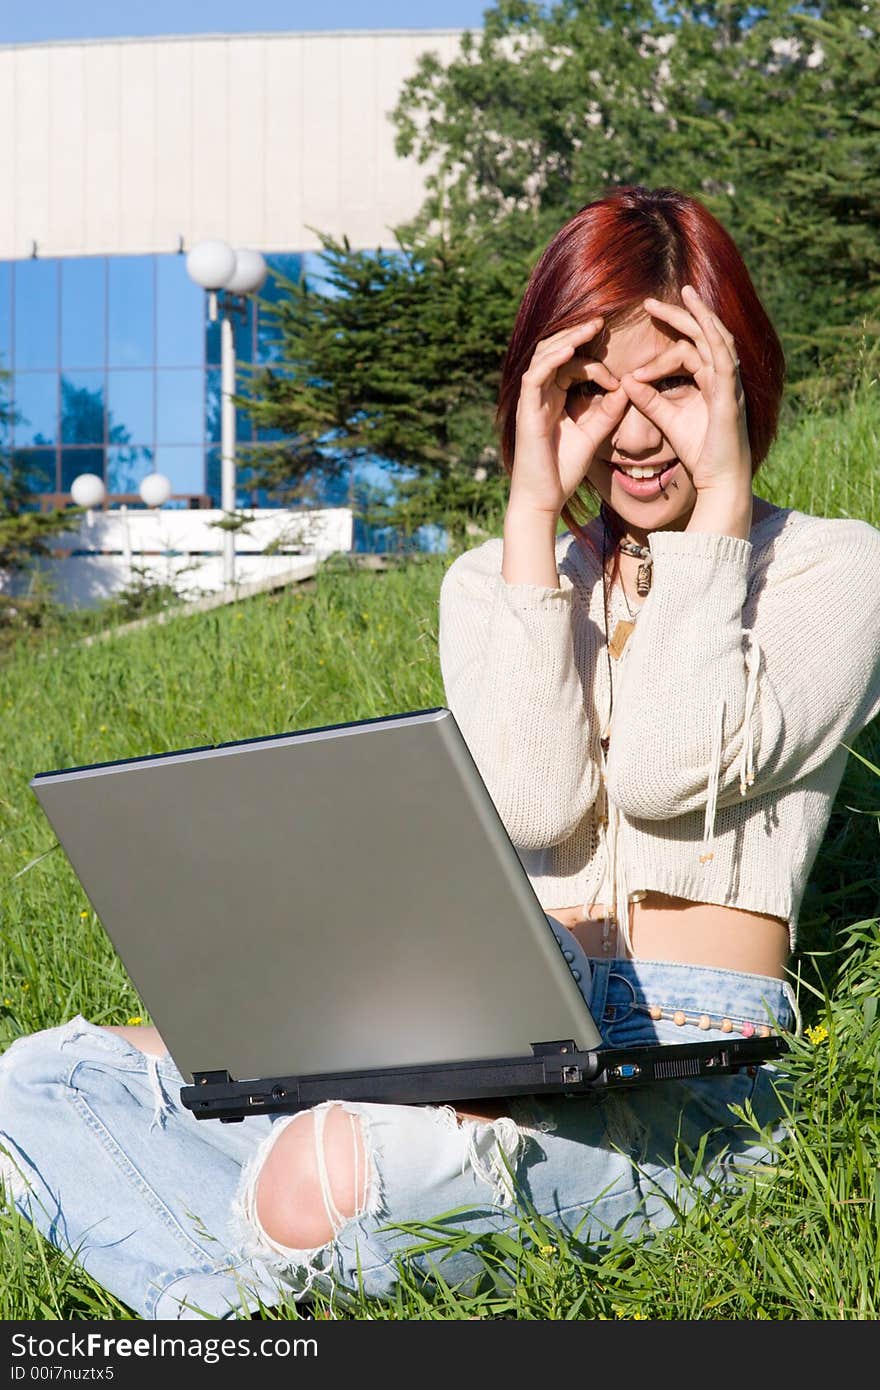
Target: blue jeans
<point>96,1150</point>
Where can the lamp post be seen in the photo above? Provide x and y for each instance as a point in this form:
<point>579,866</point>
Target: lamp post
<point>229,277</point>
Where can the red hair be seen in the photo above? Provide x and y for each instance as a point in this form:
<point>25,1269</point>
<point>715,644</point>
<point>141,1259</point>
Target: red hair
<point>629,244</point>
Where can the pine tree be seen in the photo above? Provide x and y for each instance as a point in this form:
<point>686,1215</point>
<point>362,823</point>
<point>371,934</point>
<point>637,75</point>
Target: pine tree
<point>396,357</point>
<point>24,532</point>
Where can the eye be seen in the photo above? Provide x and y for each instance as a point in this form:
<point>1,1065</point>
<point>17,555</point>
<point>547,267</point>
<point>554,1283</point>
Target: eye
<point>586,389</point>
<point>672,383</point>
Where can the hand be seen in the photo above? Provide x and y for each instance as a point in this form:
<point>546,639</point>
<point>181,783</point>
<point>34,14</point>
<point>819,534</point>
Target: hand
<point>714,450</point>
<point>554,452</point>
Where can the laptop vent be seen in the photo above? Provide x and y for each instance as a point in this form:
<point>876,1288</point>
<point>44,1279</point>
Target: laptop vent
<point>685,1066</point>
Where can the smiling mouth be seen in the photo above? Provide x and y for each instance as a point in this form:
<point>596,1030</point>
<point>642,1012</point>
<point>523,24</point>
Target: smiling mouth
<point>641,470</point>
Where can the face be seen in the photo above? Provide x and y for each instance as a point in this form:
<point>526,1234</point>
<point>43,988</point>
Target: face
<point>666,500</point>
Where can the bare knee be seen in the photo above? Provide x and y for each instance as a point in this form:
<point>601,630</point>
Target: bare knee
<point>314,1179</point>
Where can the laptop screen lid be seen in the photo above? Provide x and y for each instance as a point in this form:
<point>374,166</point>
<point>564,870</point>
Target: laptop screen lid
<point>321,900</point>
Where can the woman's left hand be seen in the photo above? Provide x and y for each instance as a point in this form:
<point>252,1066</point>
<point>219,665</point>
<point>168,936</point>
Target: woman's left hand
<point>721,456</point>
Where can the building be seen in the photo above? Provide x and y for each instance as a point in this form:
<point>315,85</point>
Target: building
<point>116,158</point>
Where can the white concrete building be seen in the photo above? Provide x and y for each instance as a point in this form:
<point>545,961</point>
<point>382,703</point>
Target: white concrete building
<point>117,157</point>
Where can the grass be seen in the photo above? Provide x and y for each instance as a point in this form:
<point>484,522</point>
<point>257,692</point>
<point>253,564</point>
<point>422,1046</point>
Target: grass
<point>801,1242</point>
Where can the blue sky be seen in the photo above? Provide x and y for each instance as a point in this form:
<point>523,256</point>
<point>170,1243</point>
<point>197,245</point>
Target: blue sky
<point>24,21</point>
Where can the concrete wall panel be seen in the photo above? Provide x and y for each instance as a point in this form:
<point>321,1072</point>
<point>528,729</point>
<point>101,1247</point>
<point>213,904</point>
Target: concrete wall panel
<point>126,146</point>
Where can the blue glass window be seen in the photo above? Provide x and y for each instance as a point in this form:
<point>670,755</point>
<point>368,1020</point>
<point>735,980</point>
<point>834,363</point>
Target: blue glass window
<point>179,407</point>
<point>36,408</point>
<point>131,407</point>
<point>212,475</point>
<point>84,312</point>
<point>5,317</point>
<point>184,466</point>
<point>82,408</point>
<point>269,436</point>
<point>244,430</point>
<point>131,318</point>
<point>213,422</point>
<point>212,341</point>
<point>180,319</point>
<point>244,325</point>
<point>243,494</point>
<point>242,335</point>
<point>76,461</point>
<point>280,268</point>
<point>126,467</point>
<point>36,469</point>
<point>36,314</point>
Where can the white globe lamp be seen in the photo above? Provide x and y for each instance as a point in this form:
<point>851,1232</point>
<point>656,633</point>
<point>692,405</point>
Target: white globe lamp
<point>155,489</point>
<point>249,274</point>
<point>210,264</point>
<point>88,490</point>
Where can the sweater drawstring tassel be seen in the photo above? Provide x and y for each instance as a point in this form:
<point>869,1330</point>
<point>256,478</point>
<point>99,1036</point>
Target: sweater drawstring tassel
<point>706,847</point>
<point>602,817</point>
<point>747,752</point>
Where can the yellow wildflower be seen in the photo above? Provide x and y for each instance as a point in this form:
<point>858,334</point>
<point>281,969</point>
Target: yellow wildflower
<point>134,1020</point>
<point>83,914</point>
<point>7,1003</point>
<point>817,1034</point>
<point>102,729</point>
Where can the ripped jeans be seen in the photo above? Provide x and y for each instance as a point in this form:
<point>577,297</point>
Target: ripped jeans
<point>159,1208</point>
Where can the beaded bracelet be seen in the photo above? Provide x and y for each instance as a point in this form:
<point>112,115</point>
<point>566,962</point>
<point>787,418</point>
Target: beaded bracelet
<point>726,1025</point>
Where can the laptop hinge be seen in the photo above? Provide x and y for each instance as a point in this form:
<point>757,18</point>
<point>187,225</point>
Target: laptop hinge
<point>211,1078</point>
<point>544,1049</point>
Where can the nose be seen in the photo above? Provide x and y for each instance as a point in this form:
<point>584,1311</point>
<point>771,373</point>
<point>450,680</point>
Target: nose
<point>636,434</point>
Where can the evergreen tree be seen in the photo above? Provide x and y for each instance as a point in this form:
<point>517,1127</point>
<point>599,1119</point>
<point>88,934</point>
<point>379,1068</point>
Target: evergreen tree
<point>23,532</point>
<point>767,113</point>
<point>399,361</point>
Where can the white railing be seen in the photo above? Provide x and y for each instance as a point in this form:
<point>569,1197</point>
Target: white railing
<point>109,550</point>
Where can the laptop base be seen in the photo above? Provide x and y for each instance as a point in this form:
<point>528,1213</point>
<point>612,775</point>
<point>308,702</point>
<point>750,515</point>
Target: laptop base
<point>554,1068</point>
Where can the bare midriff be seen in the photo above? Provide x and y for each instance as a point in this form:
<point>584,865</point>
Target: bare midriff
<point>663,927</point>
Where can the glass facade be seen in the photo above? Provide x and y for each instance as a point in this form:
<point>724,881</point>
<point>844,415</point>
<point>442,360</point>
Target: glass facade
<point>114,369</point>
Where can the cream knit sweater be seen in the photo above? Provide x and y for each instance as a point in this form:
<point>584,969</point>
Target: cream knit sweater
<point>751,665</point>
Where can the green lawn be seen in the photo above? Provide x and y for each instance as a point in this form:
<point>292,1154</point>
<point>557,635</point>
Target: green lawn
<point>800,1243</point>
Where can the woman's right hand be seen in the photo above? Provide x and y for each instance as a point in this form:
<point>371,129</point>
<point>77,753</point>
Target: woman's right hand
<point>555,448</point>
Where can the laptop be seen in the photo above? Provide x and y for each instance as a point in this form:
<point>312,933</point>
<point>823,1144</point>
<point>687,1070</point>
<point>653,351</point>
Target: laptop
<point>339,913</point>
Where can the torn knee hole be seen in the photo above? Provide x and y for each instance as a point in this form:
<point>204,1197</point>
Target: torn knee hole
<point>314,1179</point>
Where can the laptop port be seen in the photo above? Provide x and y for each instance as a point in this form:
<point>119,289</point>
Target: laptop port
<point>626,1071</point>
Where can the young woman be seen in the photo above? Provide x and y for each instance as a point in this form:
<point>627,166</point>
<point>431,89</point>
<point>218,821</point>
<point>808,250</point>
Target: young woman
<point>658,701</point>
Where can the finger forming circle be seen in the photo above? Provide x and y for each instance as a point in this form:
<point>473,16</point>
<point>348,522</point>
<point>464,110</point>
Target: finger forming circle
<point>585,369</point>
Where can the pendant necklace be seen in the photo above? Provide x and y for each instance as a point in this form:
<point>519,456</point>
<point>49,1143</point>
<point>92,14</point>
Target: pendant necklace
<point>643,577</point>
<point>624,628</point>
